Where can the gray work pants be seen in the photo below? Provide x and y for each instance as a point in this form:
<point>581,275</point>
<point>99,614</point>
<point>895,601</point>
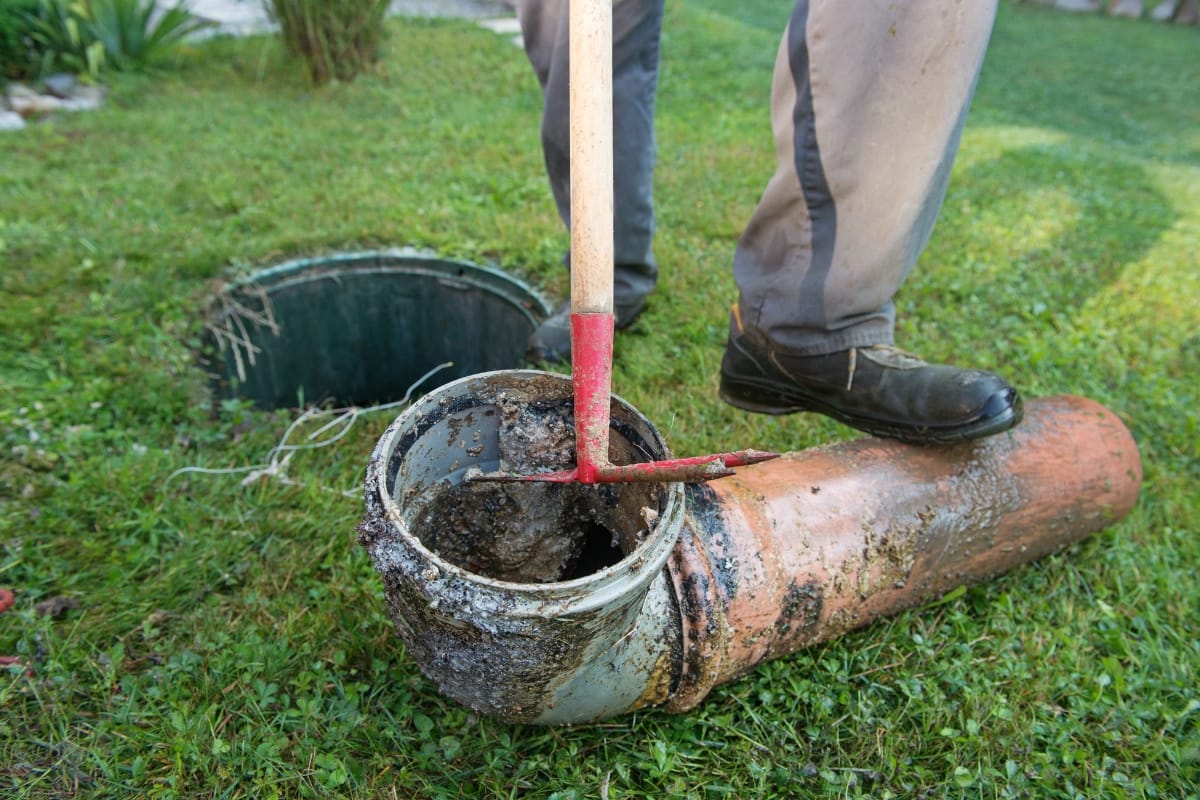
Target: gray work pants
<point>636,28</point>
<point>867,106</point>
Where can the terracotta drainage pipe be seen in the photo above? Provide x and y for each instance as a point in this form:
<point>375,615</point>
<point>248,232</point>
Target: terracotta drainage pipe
<point>513,605</point>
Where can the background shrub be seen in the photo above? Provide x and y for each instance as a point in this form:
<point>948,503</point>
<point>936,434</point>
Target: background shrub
<point>17,56</point>
<point>87,36</point>
<point>336,38</point>
<point>63,40</point>
<point>137,33</point>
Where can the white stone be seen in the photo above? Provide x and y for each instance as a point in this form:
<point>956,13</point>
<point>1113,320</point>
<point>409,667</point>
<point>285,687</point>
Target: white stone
<point>1163,11</point>
<point>20,90</point>
<point>11,121</point>
<point>29,103</point>
<point>84,98</point>
<point>1077,5</point>
<point>60,84</point>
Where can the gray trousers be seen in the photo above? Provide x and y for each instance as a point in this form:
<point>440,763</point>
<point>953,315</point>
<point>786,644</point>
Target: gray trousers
<point>867,106</point>
<point>636,28</point>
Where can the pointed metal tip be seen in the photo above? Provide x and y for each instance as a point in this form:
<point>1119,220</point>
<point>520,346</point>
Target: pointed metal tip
<point>744,458</point>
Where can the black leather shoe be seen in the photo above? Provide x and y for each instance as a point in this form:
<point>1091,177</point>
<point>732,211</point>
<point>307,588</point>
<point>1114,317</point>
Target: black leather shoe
<point>879,389</point>
<point>550,343</point>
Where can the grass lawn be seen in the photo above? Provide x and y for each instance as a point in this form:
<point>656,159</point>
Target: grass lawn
<point>221,640</point>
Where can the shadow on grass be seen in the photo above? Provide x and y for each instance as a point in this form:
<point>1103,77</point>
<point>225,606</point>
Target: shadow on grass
<point>1083,224</point>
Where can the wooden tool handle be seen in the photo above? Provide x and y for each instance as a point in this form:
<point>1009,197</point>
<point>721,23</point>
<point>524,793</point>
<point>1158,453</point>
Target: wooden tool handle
<point>590,40</point>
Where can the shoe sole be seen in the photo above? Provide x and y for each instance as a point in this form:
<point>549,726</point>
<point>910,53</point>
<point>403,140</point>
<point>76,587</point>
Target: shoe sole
<point>734,393</point>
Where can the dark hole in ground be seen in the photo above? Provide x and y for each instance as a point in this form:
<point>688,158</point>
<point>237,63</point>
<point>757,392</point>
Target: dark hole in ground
<point>361,329</point>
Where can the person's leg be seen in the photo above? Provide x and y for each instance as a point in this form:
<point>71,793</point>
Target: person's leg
<point>868,105</point>
<point>637,25</point>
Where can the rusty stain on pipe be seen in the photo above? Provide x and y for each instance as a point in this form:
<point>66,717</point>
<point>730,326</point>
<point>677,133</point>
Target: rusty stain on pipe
<point>721,577</point>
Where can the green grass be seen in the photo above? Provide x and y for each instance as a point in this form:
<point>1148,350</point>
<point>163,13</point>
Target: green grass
<point>231,641</point>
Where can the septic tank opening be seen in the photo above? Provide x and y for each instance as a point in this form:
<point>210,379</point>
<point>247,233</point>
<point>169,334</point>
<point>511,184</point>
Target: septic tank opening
<point>360,329</point>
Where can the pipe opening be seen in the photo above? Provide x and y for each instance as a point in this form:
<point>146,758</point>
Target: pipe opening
<point>360,329</point>
<point>522,532</point>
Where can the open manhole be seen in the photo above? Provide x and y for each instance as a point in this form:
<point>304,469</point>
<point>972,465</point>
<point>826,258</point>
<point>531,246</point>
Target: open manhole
<point>361,329</point>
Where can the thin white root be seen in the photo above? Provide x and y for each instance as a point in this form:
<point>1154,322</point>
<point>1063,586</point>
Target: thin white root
<point>280,456</point>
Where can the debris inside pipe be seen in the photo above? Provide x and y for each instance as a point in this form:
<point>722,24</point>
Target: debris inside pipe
<point>566,603</point>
